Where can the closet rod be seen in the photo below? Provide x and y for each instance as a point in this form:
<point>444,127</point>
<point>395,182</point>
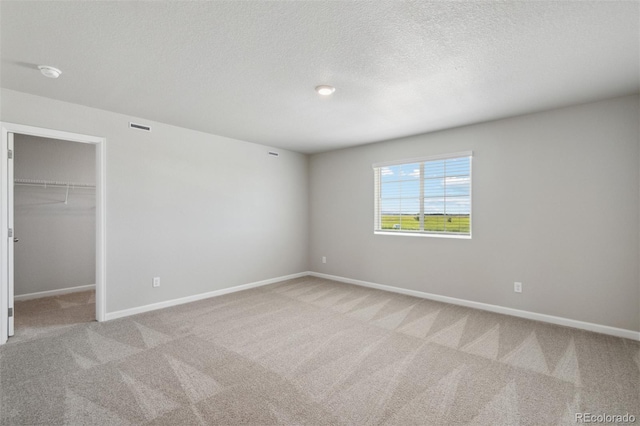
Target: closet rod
<point>52,183</point>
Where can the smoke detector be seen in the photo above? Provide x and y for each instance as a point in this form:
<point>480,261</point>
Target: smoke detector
<point>48,71</point>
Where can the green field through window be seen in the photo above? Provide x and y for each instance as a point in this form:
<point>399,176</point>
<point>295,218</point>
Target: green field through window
<point>434,223</point>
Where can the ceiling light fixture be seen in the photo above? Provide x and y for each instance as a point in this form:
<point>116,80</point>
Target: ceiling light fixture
<point>325,90</point>
<point>48,71</point>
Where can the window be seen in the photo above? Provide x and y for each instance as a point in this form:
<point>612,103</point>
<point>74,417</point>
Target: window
<point>424,196</point>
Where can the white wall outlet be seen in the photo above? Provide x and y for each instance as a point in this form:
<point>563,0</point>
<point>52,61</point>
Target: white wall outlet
<point>156,281</point>
<point>324,259</point>
<point>517,287</point>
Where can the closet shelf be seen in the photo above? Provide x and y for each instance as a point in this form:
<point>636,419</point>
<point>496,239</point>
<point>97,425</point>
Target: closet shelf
<point>53,183</point>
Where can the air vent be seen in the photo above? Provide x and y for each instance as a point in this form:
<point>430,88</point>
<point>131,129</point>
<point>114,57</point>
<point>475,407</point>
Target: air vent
<point>139,127</point>
<point>273,153</point>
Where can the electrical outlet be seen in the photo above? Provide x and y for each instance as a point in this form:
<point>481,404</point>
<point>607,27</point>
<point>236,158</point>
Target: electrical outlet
<point>324,259</point>
<point>156,282</point>
<point>517,287</point>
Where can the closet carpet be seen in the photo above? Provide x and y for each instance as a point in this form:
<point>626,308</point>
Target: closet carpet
<point>53,314</point>
<point>313,351</point>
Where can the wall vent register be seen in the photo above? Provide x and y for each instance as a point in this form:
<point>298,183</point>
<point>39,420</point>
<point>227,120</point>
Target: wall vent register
<point>140,127</point>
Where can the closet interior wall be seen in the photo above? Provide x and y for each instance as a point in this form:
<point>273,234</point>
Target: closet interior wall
<point>54,223</point>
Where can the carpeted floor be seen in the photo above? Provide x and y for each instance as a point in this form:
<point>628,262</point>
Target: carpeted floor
<point>312,351</point>
<point>49,315</point>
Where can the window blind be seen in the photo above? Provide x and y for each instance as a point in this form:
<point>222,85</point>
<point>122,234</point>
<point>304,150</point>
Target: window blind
<point>429,195</point>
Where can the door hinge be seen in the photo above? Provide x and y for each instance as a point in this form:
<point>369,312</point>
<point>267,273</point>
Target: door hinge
<point>10,232</point>
<point>10,154</point>
<point>10,312</point>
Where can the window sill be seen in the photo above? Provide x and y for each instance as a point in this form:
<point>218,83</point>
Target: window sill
<point>424,234</point>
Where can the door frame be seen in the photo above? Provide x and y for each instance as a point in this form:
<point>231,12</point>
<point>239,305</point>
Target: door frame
<point>100,144</point>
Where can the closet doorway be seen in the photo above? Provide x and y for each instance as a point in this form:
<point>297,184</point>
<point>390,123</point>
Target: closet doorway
<point>53,209</point>
<point>54,234</point>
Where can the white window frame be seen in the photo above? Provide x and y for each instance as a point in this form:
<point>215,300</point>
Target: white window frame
<point>421,160</point>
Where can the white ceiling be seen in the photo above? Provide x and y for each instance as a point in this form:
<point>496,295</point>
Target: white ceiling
<point>247,70</point>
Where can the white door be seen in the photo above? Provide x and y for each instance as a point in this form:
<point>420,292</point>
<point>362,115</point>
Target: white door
<point>12,237</point>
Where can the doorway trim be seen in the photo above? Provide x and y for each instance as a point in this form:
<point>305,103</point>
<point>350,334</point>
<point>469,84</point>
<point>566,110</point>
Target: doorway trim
<point>100,144</point>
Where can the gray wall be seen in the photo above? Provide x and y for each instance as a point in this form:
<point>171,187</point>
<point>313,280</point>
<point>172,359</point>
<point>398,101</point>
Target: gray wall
<point>555,206</point>
<point>57,240</point>
<point>203,212</point>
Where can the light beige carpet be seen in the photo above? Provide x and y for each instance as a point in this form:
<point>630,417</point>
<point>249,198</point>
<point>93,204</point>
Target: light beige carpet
<point>312,351</point>
<point>53,314</point>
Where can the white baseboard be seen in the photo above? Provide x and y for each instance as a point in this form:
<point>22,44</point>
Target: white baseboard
<point>196,297</point>
<point>50,293</point>
<point>598,328</point>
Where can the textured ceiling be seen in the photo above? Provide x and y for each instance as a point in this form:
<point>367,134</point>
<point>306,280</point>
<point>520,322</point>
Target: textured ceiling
<point>247,69</point>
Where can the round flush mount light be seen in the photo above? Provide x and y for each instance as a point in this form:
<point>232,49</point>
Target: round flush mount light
<point>325,90</point>
<point>48,71</point>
